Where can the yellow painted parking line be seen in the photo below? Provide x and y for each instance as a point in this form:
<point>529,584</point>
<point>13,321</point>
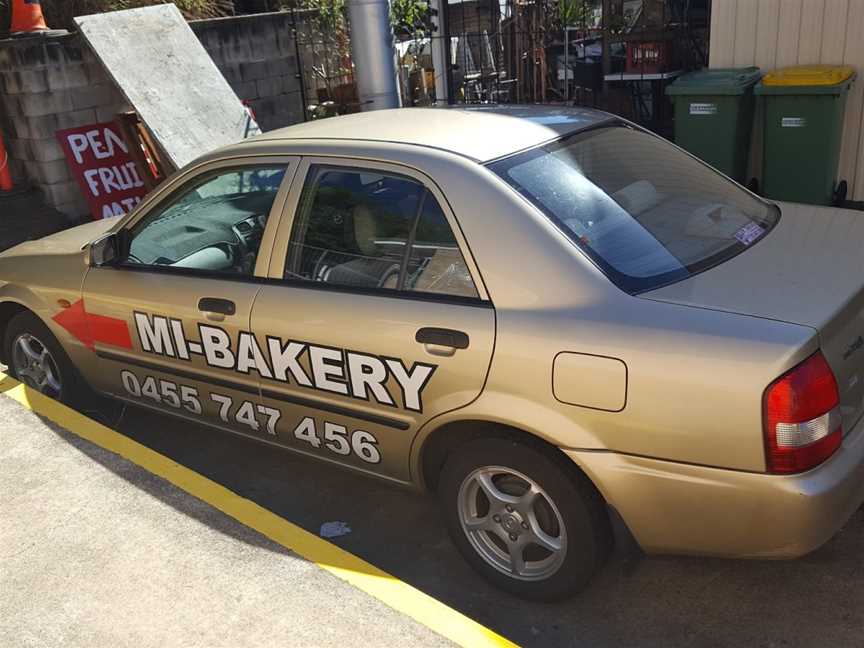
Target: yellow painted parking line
<point>386,588</point>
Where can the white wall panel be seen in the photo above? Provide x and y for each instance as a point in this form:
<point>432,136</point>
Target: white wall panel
<point>776,33</point>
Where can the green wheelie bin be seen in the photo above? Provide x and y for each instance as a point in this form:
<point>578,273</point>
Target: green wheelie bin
<point>714,116</point>
<point>802,111</point>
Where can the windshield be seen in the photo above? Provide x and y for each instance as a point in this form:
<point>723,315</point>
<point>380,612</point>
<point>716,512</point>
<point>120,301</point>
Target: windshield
<point>644,211</point>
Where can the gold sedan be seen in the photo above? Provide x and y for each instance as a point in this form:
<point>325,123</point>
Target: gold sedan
<point>550,317</point>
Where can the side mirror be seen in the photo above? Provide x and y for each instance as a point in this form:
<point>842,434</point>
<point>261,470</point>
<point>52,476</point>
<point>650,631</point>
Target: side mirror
<point>103,251</point>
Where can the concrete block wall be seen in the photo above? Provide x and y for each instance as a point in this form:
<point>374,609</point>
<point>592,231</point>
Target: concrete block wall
<point>50,84</point>
<point>46,85</point>
<point>258,58</point>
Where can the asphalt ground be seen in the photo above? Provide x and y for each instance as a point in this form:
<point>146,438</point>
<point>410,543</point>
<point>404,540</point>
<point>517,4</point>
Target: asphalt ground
<point>649,601</point>
<point>96,551</point>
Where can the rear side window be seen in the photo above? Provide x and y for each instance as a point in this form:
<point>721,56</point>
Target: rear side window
<point>644,211</point>
<point>435,264</point>
<point>367,229</point>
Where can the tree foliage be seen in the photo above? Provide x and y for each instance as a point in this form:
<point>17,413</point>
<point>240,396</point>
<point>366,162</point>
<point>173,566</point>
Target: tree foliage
<point>575,13</point>
<point>410,18</point>
<point>59,13</point>
<point>330,17</point>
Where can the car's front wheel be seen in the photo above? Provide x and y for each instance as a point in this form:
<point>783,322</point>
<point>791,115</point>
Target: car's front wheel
<point>36,358</point>
<point>524,520</point>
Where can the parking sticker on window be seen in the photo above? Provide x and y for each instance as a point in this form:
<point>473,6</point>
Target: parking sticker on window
<point>749,233</point>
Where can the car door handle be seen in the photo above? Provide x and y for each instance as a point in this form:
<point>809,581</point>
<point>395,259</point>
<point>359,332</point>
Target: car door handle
<point>213,306</point>
<point>442,337</point>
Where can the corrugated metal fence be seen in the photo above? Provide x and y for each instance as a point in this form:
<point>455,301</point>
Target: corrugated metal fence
<point>777,33</point>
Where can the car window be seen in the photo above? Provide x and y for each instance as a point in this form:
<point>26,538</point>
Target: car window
<point>369,229</point>
<point>435,264</point>
<point>647,213</point>
<point>215,223</point>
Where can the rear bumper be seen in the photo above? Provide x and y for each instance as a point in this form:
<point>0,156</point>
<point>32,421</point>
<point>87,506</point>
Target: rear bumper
<point>684,509</point>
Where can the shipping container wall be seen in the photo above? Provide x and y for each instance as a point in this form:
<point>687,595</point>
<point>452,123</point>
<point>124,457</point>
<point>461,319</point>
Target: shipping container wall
<point>777,33</point>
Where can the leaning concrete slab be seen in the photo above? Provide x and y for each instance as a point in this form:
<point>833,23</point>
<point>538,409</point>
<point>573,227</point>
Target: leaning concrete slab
<point>169,79</point>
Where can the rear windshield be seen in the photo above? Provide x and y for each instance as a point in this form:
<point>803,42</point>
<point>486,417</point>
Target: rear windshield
<point>645,212</point>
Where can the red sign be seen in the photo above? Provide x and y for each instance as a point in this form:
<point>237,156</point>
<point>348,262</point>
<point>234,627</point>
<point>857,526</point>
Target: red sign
<point>98,157</point>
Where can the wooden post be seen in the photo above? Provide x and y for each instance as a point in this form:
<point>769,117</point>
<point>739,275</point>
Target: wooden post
<point>533,53</point>
<point>542,52</point>
<point>605,48</point>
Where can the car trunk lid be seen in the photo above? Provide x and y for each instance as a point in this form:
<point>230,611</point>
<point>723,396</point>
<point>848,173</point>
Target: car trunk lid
<point>808,270</point>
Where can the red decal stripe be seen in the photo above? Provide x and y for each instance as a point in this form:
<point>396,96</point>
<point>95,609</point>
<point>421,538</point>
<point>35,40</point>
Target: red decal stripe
<point>90,329</point>
<point>109,330</point>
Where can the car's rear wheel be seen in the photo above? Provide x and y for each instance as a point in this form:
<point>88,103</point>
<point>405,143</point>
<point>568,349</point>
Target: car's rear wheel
<point>522,519</point>
<point>37,359</point>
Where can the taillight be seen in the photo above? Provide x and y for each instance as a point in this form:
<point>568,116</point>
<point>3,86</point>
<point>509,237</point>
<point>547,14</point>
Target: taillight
<point>802,417</point>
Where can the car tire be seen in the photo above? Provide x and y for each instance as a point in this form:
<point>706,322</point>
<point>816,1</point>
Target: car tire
<point>25,330</point>
<point>566,511</point>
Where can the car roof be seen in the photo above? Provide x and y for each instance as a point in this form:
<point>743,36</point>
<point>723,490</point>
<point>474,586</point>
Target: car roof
<point>482,133</point>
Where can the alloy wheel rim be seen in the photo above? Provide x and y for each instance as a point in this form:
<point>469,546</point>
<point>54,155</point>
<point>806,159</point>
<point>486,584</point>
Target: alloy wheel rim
<point>512,523</point>
<point>35,366</point>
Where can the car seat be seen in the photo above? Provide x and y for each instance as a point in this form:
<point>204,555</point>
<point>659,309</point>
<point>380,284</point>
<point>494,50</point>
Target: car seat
<point>368,268</point>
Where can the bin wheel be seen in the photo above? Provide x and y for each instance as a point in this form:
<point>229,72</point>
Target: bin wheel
<point>753,185</point>
<point>840,193</point>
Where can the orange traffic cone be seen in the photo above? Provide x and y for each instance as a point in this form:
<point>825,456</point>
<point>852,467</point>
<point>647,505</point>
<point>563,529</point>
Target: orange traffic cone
<point>27,17</point>
<point>5,174</point>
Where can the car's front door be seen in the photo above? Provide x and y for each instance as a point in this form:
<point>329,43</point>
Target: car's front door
<point>374,319</point>
<point>169,321</point>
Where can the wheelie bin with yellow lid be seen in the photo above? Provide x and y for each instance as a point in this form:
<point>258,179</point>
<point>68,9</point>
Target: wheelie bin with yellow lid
<point>803,109</point>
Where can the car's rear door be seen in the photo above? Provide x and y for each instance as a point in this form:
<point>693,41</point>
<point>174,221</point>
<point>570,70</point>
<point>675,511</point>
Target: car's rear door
<point>375,318</point>
<point>169,322</point>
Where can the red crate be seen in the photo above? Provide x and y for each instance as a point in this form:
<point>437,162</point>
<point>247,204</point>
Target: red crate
<point>649,57</point>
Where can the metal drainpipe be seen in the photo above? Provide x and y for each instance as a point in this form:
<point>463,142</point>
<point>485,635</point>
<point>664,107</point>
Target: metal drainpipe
<point>448,53</point>
<point>373,54</point>
<point>439,53</point>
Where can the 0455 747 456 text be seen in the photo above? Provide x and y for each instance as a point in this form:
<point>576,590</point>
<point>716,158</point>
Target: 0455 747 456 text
<point>258,418</point>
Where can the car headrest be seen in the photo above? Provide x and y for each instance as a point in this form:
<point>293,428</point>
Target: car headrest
<point>365,231</point>
<point>637,197</point>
